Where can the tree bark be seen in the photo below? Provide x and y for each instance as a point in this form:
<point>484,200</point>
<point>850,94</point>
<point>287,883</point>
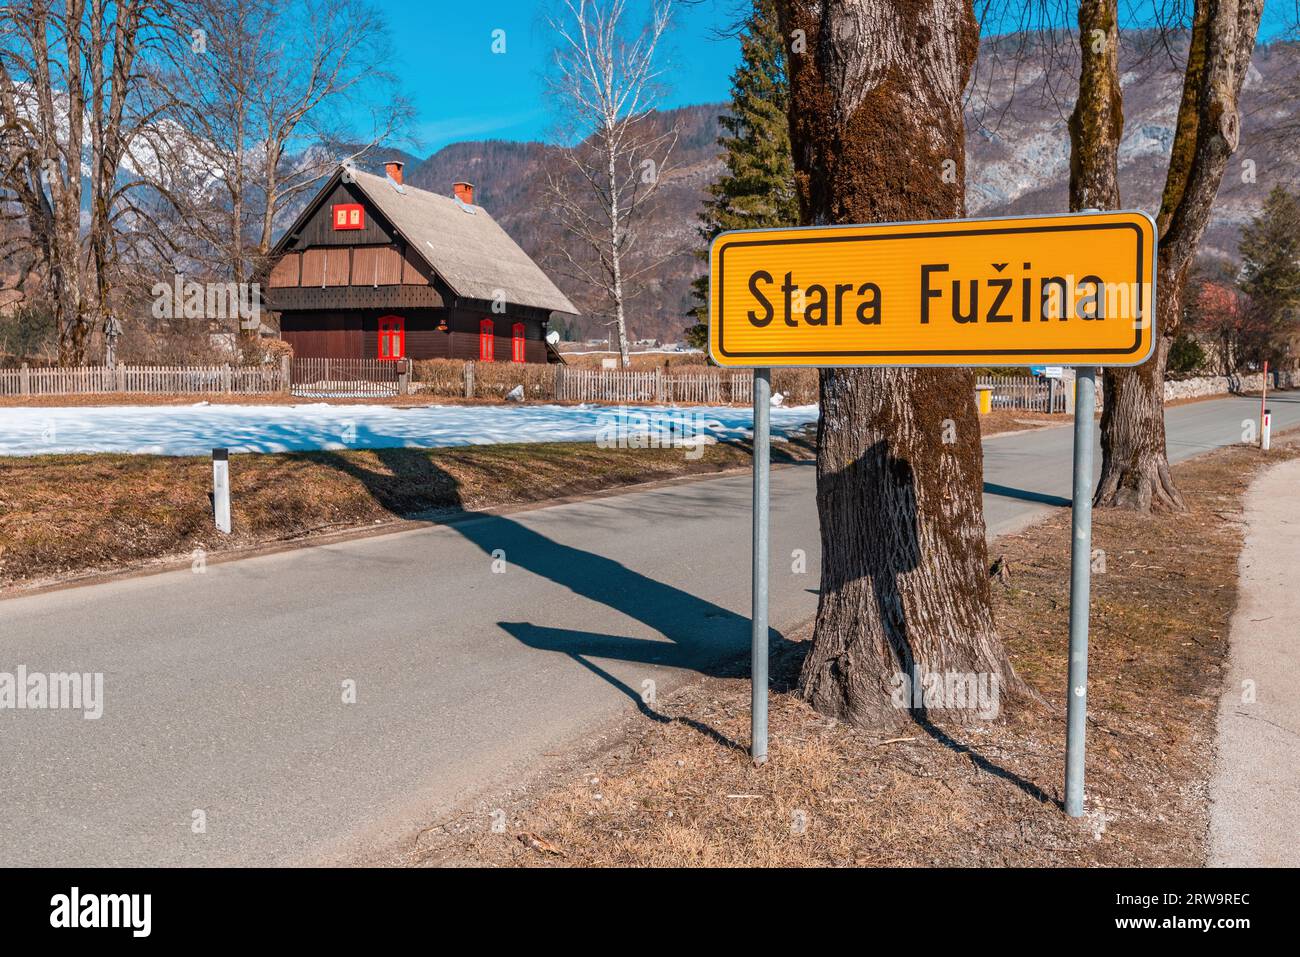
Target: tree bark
<point>1135,464</point>
<point>1097,122</point>
<point>60,171</point>
<point>1135,470</point>
<point>877,131</point>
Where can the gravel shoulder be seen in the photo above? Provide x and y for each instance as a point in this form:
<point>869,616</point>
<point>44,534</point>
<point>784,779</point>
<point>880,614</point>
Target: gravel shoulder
<point>1255,791</point>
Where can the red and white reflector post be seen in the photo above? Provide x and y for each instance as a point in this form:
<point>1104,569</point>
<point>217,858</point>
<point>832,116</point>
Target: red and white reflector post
<point>1265,428</point>
<point>1263,401</point>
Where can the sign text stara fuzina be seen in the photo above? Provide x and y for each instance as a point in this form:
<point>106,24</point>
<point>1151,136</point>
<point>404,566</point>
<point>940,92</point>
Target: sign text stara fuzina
<point>1076,289</point>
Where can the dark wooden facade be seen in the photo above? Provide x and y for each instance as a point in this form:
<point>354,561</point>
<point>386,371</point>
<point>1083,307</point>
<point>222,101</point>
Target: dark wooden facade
<point>331,287</point>
<point>354,333</point>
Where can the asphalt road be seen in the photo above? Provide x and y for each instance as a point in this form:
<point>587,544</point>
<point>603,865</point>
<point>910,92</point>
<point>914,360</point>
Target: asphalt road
<point>223,699</point>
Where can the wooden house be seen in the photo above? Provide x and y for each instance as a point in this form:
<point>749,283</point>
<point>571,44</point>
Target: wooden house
<point>374,268</point>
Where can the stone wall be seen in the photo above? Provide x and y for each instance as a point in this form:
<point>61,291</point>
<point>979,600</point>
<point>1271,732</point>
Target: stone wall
<point>1198,386</point>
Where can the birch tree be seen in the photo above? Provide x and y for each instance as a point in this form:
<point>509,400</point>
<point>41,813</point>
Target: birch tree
<point>605,83</point>
<point>878,136</point>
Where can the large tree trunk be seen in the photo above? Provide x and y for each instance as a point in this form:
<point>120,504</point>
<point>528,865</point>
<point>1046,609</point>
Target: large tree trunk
<point>1097,123</point>
<point>1135,470</point>
<point>877,131</point>
<point>1135,465</point>
<point>60,170</point>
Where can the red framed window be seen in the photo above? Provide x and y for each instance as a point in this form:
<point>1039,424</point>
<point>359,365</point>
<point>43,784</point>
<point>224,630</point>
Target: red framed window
<point>349,216</point>
<point>392,337</point>
<point>517,351</point>
<point>486,340</point>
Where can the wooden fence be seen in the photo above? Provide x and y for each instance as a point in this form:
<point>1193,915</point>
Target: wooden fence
<point>338,378</point>
<point>154,380</point>
<point>1026,393</point>
<point>617,385</point>
<point>370,378</point>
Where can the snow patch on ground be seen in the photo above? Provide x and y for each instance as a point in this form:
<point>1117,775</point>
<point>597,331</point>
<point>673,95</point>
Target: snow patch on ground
<point>197,429</point>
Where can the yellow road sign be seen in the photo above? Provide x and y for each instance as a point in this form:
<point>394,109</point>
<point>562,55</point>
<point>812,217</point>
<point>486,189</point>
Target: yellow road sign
<point>1074,289</point>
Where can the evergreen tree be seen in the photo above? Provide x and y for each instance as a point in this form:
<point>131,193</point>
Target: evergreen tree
<point>757,187</point>
<point>1270,262</point>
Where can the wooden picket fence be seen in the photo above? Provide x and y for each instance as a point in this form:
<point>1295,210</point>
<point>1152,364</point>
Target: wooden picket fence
<point>325,378</point>
<point>368,378</point>
<point>151,380</point>
<point>1025,393</point>
<point>618,385</point>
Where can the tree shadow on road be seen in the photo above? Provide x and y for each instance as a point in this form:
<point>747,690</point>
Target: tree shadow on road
<point>1024,495</point>
<point>700,636</point>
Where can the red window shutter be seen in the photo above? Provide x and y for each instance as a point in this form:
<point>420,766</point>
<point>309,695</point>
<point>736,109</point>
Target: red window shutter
<point>517,343</point>
<point>485,340</point>
<point>392,337</point>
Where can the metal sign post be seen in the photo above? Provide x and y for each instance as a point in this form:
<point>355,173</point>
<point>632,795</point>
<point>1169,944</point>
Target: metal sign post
<point>758,638</point>
<point>891,295</point>
<point>1085,405</point>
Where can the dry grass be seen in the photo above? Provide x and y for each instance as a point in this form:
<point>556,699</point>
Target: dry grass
<point>72,515</point>
<point>665,794</point>
<point>1013,420</point>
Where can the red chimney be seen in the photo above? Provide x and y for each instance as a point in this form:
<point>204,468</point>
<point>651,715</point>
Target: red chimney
<point>464,192</point>
<point>394,170</point>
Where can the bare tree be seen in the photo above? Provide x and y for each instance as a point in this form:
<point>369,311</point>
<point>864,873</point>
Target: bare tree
<point>42,96</point>
<point>72,97</point>
<point>605,84</point>
<point>270,92</point>
<point>1135,465</point>
<point>875,119</point>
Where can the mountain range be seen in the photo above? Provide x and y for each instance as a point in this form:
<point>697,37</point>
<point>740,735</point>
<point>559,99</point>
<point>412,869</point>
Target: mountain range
<point>1017,162</point>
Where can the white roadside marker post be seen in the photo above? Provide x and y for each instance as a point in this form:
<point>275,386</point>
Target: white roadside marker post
<point>221,489</point>
<point>1266,430</point>
<point>758,637</point>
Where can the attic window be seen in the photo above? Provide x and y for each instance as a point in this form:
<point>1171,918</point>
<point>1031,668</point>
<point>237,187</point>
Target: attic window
<point>349,216</point>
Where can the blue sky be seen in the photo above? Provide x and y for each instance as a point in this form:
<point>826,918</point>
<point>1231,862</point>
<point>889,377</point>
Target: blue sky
<point>462,90</point>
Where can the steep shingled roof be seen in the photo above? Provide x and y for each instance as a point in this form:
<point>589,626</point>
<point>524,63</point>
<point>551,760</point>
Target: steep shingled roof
<point>476,257</point>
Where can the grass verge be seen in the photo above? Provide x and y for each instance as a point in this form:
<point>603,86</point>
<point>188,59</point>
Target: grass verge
<point>675,793</point>
<point>65,516</point>
<point>68,516</point>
